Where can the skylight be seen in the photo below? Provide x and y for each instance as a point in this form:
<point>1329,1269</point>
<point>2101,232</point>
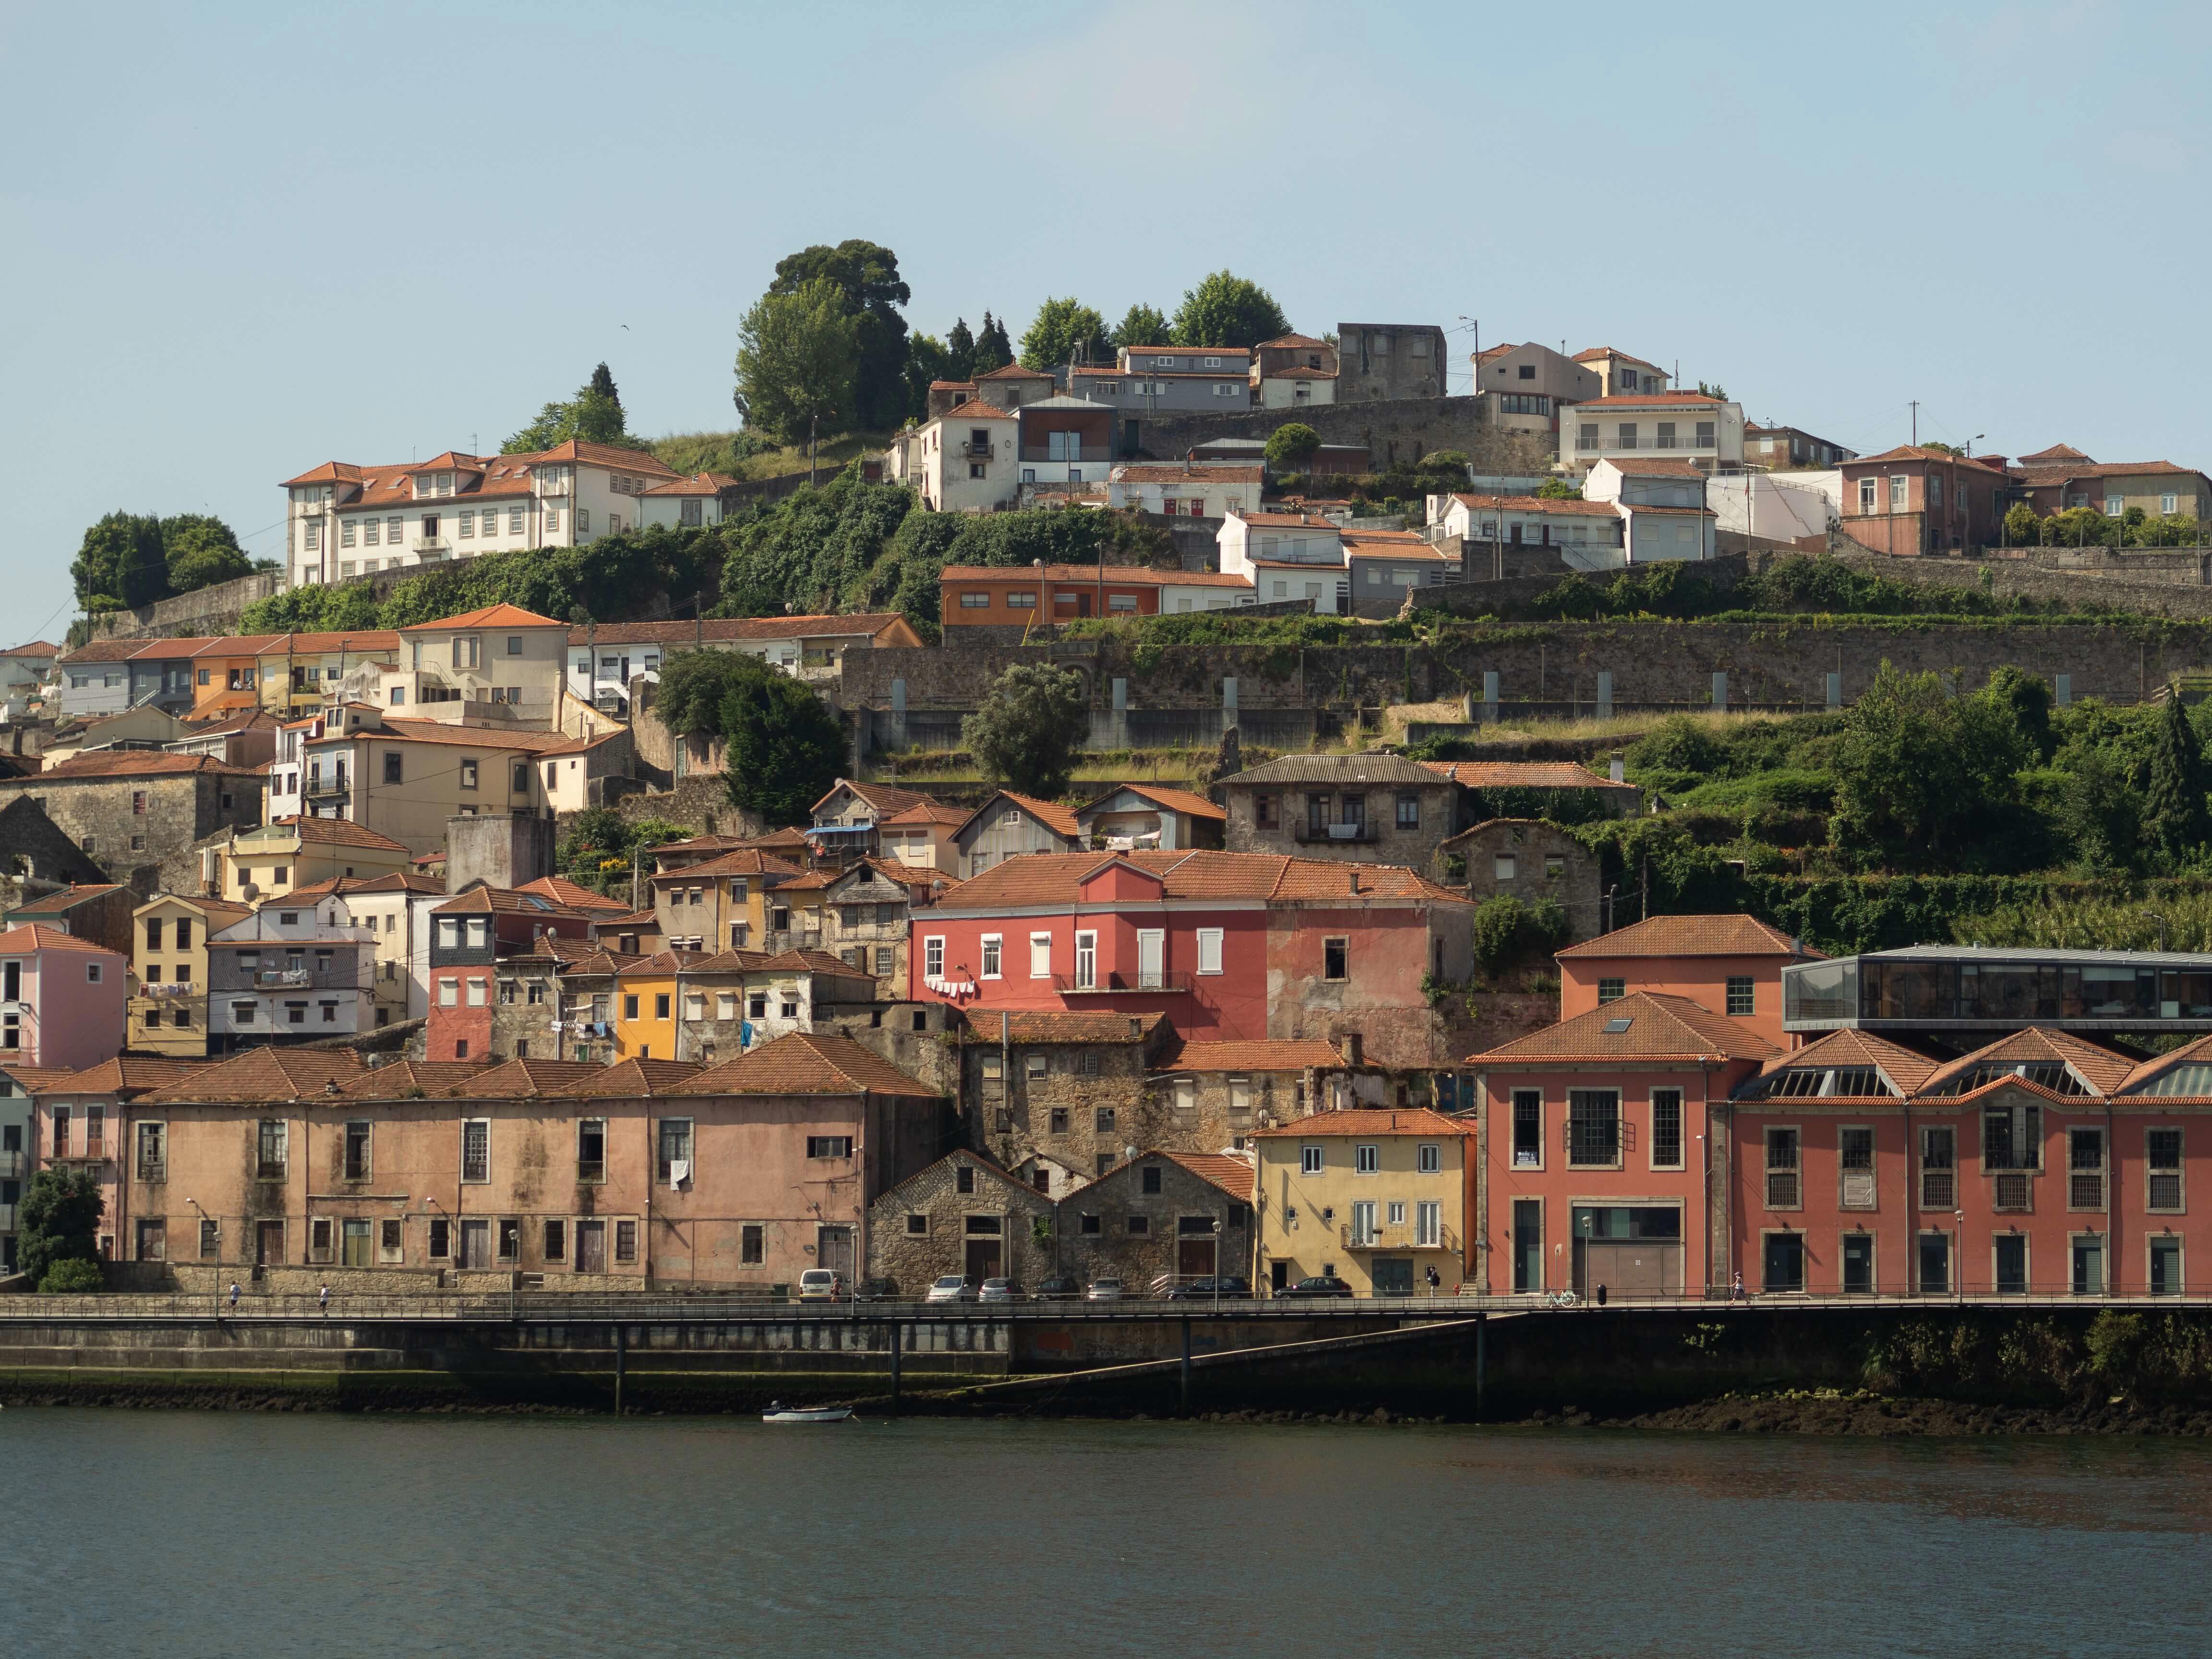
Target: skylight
<point>1615,1027</point>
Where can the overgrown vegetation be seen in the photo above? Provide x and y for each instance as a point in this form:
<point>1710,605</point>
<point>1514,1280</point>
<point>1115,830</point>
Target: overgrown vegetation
<point>1802,585</point>
<point>58,1230</point>
<point>1032,725</point>
<point>786,746</point>
<point>601,846</point>
<point>131,559</point>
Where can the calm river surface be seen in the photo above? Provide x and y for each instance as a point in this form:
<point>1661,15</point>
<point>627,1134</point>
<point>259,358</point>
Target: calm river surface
<point>188,1533</point>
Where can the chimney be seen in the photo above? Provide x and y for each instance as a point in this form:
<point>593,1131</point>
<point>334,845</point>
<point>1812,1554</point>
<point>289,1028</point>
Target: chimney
<point>1350,1043</point>
<point>1355,883</point>
<point>1619,770</point>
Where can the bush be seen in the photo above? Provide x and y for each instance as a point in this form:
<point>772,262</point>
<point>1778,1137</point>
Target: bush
<point>1498,925</point>
<point>73,1276</point>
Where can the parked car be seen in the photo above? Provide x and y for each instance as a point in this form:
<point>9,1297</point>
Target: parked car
<point>1227,1288</point>
<point>877,1290</point>
<point>1002,1290</point>
<point>951,1288</point>
<point>1104,1290</point>
<point>821,1285</point>
<point>1060,1290</point>
<point>1321,1285</point>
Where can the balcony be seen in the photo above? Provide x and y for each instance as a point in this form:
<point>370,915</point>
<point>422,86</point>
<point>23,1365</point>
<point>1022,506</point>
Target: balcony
<point>791,938</point>
<point>322,786</point>
<point>1399,1237</point>
<point>1111,984</point>
<point>977,452</point>
<point>173,990</point>
<point>1311,834</point>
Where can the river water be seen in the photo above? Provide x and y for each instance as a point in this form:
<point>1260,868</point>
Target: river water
<point>190,1533</point>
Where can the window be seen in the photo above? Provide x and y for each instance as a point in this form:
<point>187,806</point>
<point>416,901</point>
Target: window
<point>1855,1167</point>
<point>441,1239</point>
<point>356,1150</point>
<point>392,766</point>
<point>475,1149</point>
<point>1086,961</point>
<point>1899,489</point>
<point>2168,504</point>
<point>509,1239</point>
<point>1555,866</point>
<point>1740,996</point>
<point>2162,1154</point>
<point>2011,1138</point>
<point>1666,1128</point>
<point>1527,1128</point>
<point>674,1161</point>
<point>1058,1120</point>
<point>975,601</point>
<point>1593,1127</point>
<point>319,1238</point>
<point>270,1158</point>
<point>2085,1169</point>
<point>1939,1181</point>
<point>964,1178</point>
<point>626,1241</point>
<point>660,1005</point>
<point>1039,956</point>
<point>556,1232</point>
<point>1611,990</point>
<point>210,1241</point>
<point>1503,867</point>
<point>992,945</point>
<point>1784,1190</point>
<point>1311,1160</point>
<point>828,1145</point>
<point>1102,1121</point>
<point>1366,1160</point>
<point>1140,1226</point>
<point>153,1152</point>
<point>933,958</point>
<point>1149,1177</point>
<point>1209,950</point>
<point>1409,811</point>
<point>591,1149</point>
<point>1336,958</point>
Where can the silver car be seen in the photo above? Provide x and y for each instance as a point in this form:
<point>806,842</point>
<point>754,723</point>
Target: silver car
<point>951,1288</point>
<point>1002,1289</point>
<point>1104,1290</point>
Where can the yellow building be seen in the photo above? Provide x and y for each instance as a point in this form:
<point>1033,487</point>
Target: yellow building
<point>168,1010</point>
<point>727,903</point>
<point>1374,1196</point>
<point>645,1008</point>
<point>288,853</point>
<point>298,673</point>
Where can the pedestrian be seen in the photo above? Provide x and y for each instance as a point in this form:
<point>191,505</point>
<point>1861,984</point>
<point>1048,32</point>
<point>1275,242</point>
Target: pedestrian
<point>1736,1286</point>
<point>325,1300</point>
<point>1436,1281</point>
<point>233,1296</point>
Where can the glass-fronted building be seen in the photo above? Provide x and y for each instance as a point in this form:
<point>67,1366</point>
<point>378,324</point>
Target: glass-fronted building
<point>1961,988</point>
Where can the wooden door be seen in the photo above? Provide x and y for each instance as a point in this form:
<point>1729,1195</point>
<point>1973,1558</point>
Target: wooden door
<point>476,1245</point>
<point>590,1247</point>
<point>1194,1258</point>
<point>268,1244</point>
<point>983,1259</point>
<point>833,1249</point>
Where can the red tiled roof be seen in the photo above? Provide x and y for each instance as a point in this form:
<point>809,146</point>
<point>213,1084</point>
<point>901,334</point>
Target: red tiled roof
<point>1692,936</point>
<point>1921,452</point>
<point>746,861</point>
<point>1271,1055</point>
<point>882,797</point>
<point>1174,800</point>
<point>1652,1027</point>
<point>519,1080</point>
<point>2198,1052</point>
<point>125,1074</point>
<point>563,891</point>
<point>1286,521</point>
<point>807,1063</point>
<point>463,736</point>
<point>699,483</point>
<point>1012,372</point>
<point>343,832</point>
<point>267,1074</point>
<point>68,899</point>
<point>395,881</point>
<point>404,1079</point>
<point>1521,775</point>
<point>928,812</point>
<point>137,763</point>
<point>1373,1121</point>
<point>1197,476</point>
<point>39,1080</point>
<point>1232,1175</point>
<point>1636,466</point>
<point>1057,877</point>
<point>491,616</point>
<point>1908,1070</point>
<point>975,410</point>
<point>1060,820</point>
<point>1018,574</point>
<point>37,936</point>
<point>618,456</point>
<point>369,639</point>
<point>1575,507</point>
<point>636,1079</point>
<point>1596,352</point>
<point>2103,1069</point>
<point>508,901</point>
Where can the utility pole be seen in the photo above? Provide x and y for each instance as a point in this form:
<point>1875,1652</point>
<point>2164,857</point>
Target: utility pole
<point>1916,423</point>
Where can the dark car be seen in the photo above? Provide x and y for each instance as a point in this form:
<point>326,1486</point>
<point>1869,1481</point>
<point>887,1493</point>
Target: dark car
<point>1321,1285</point>
<point>1060,1290</point>
<point>876,1289</point>
<point>1228,1288</point>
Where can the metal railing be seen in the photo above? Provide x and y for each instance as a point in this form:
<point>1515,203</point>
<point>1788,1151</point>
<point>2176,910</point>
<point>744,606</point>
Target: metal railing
<point>1088,453</point>
<point>1105,983</point>
<point>1319,833</point>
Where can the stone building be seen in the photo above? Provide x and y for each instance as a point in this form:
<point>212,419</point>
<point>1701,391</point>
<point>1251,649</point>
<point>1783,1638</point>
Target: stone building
<point>33,848</point>
<point>1069,1085</point>
<point>961,1215</point>
<point>132,810</point>
<point>98,912</point>
<point>1530,860</point>
<point>1369,808</point>
<point>865,909</point>
<point>1215,1095</point>
<point>1159,1217</point>
<point>1378,361</point>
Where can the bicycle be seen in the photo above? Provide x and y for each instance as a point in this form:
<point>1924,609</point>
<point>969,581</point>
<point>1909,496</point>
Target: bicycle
<point>1562,1300</point>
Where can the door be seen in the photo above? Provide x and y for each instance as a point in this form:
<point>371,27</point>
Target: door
<point>1785,1263</point>
<point>1152,959</point>
<point>833,1249</point>
<point>1393,1275</point>
<point>2012,1265</point>
<point>2089,1266</point>
<point>1528,1245</point>
<point>1194,1258</point>
<point>1083,603</point>
<point>353,1243</point>
<point>1278,1275</point>
<point>590,1247</point>
<point>1629,1266</point>
<point>1858,1264</point>
<point>268,1244</point>
<point>2165,1267</point>
<point>984,1259</point>
<point>1935,1263</point>
<point>476,1245</point>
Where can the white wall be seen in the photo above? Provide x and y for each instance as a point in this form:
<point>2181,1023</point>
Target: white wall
<point>1779,506</point>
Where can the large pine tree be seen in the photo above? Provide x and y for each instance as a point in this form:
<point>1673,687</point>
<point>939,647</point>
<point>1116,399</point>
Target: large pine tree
<point>2175,817</point>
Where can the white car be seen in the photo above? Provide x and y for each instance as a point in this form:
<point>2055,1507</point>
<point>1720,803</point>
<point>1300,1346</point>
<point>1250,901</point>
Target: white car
<point>951,1288</point>
<point>1104,1290</point>
<point>1002,1289</point>
<point>821,1285</point>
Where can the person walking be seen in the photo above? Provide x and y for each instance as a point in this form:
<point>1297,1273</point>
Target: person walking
<point>1736,1286</point>
<point>324,1301</point>
<point>233,1296</point>
<point>1435,1282</point>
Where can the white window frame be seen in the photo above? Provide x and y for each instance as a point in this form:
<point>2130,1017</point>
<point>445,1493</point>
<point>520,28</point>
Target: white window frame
<point>995,952</point>
<point>932,957</point>
<point>1313,1160</point>
<point>1367,1158</point>
<point>1428,1157</point>
<point>1209,950</point>
<point>1039,956</point>
<point>1086,961</point>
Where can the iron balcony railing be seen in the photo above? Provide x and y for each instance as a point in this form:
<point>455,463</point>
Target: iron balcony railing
<point>1324,834</point>
<point>1105,984</point>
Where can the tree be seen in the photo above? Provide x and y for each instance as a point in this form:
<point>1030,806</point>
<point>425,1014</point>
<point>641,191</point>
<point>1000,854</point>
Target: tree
<point>866,278</point>
<point>1716,391</point>
<point>199,551</point>
<point>926,360</point>
<point>1225,310</point>
<point>1557,489</point>
<point>798,355</point>
<point>1939,446</point>
<point>992,348</point>
<point>959,352</point>
<point>58,1221</point>
<point>1292,446</point>
<point>593,416</point>
<point>1142,325</point>
<point>2175,818</point>
<point>1033,723</point>
<point>1923,777</point>
<point>121,564</point>
<point>785,748</point>
<point>2021,527</point>
<point>1065,330</point>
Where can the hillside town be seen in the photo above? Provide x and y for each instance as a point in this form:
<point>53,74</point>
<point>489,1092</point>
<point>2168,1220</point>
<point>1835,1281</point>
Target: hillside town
<point>315,978</point>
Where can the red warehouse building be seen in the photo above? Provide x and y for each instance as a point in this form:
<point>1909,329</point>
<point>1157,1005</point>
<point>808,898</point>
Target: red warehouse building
<point>1728,965</point>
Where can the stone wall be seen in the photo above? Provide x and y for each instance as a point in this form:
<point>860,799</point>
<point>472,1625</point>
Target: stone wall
<point>1084,1119</point>
<point>1098,1239</point>
<point>915,1260</point>
<point>2161,582</point>
<point>1535,848</point>
<point>180,809</point>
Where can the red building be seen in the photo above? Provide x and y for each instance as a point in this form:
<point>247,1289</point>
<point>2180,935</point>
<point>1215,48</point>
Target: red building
<point>1230,946</point>
<point>1728,965</point>
<point>1913,501</point>
<point>469,936</point>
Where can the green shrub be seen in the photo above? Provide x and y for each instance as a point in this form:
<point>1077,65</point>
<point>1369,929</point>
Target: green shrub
<point>73,1276</point>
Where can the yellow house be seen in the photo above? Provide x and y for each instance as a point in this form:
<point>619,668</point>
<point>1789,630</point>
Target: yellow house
<point>1375,1196</point>
<point>168,1010</point>
<point>298,673</point>
<point>645,1008</point>
<point>290,853</point>
<point>725,904</point>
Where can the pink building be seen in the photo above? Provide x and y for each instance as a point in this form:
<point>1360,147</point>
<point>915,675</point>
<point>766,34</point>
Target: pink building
<point>1229,946</point>
<point>1728,965</point>
<point>61,999</point>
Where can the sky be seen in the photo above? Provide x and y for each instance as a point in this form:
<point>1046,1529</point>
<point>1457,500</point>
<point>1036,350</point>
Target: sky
<point>238,240</point>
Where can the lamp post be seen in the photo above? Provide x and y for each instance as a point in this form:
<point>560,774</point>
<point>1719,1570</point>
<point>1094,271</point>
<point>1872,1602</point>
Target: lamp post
<point>215,1291</point>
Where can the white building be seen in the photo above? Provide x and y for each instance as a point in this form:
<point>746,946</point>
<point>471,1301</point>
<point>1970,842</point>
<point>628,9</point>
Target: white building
<point>291,972</point>
<point>343,520</point>
<point>1662,505</point>
<point>603,659</point>
<point>1575,526</point>
<point>965,460</point>
<point>1186,491</point>
<point>1780,506</point>
<point>1286,555</point>
<point>700,501</point>
<point>1684,425</point>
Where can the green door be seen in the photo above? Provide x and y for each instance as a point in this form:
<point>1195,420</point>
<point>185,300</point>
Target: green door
<point>1528,1245</point>
<point>1858,1264</point>
<point>2012,1265</point>
<point>1394,1275</point>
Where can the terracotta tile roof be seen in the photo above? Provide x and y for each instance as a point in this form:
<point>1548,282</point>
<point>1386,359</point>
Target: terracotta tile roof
<point>1197,476</point>
<point>1293,342</point>
<point>236,645</point>
<point>1911,452</point>
<point>35,648</point>
<point>968,386</point>
<point>126,1074</point>
<point>1575,509</point>
<point>509,901</point>
<point>2198,1052</point>
<point>563,891</point>
<point>618,456</point>
<point>1596,352</point>
<point>444,1079</point>
<point>369,639</point>
<point>628,918</point>
<point>1653,1027</point>
<point>1060,820</point>
<point>699,483</point>
<point>460,737</point>
<point>1375,547</point>
<point>1692,936</point>
<point>791,837</point>
<point>883,799</point>
<point>1049,1026</point>
<point>1373,1121</point>
<point>2009,1081</point>
<point>1521,775</point>
<point>1286,521</point>
<point>593,963</point>
<point>1647,400</point>
<point>728,960</point>
<point>2103,1070</point>
<point>138,763</point>
<point>746,861</point>
<point>68,899</point>
<point>633,1079</point>
<point>1057,877</point>
<point>928,812</point>
<point>1271,1055</point>
<point>227,911</point>
<point>813,962</point>
<point>2109,470</point>
<point>1307,373</point>
<point>2056,455</point>
<point>1232,1175</point>
<point>1018,575</point>
<point>1636,466</point>
<point>38,936</point>
<point>521,1080</point>
<point>492,615</point>
<point>974,410</point>
<point>1906,1068</point>
<point>807,1063</point>
<point>268,1074</point>
<point>341,832</point>
<point>1373,767</point>
<point>663,961</point>
<point>1174,800</point>
<point>963,1155</point>
<point>396,881</point>
<point>39,1080</point>
<point>94,651</point>
<point>1013,372</point>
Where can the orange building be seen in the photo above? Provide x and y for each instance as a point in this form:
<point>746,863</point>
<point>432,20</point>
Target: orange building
<point>1728,965</point>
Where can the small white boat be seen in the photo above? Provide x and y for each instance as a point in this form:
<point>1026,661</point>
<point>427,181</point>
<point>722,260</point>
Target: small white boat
<point>777,1414</point>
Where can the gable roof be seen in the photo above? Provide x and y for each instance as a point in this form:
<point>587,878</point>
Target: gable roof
<point>632,1080</point>
<point>2057,454</point>
<point>1521,775</point>
<point>1651,1026</point>
<point>137,763</point>
<point>1374,767</point>
<point>501,614</point>
<point>1596,352</point>
<point>41,936</point>
<point>2102,1070</point>
<point>342,832</point>
<point>559,890</point>
<point>402,1080</point>
<point>1232,1175</point>
<point>1922,452</point>
<point>1692,936</point>
<point>1271,1054</point>
<point>267,1074</point>
<point>1907,1068</point>
<point>975,410</point>
<point>1059,819</point>
<point>1174,800</point>
<point>882,797</point>
<point>979,1160</point>
<point>1058,878</point>
<point>69,898</point>
<point>2198,1052</point>
<point>745,861</point>
<point>808,1063</point>
<point>1371,1121</point>
<point>125,1074</point>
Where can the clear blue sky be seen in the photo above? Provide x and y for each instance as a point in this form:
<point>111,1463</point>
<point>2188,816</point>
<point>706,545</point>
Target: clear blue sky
<point>240,241</point>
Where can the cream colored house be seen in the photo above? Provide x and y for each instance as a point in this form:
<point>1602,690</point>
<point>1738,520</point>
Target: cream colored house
<point>1375,1196</point>
<point>501,665</point>
<point>166,1013</point>
<point>965,460</point>
<point>291,852</point>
